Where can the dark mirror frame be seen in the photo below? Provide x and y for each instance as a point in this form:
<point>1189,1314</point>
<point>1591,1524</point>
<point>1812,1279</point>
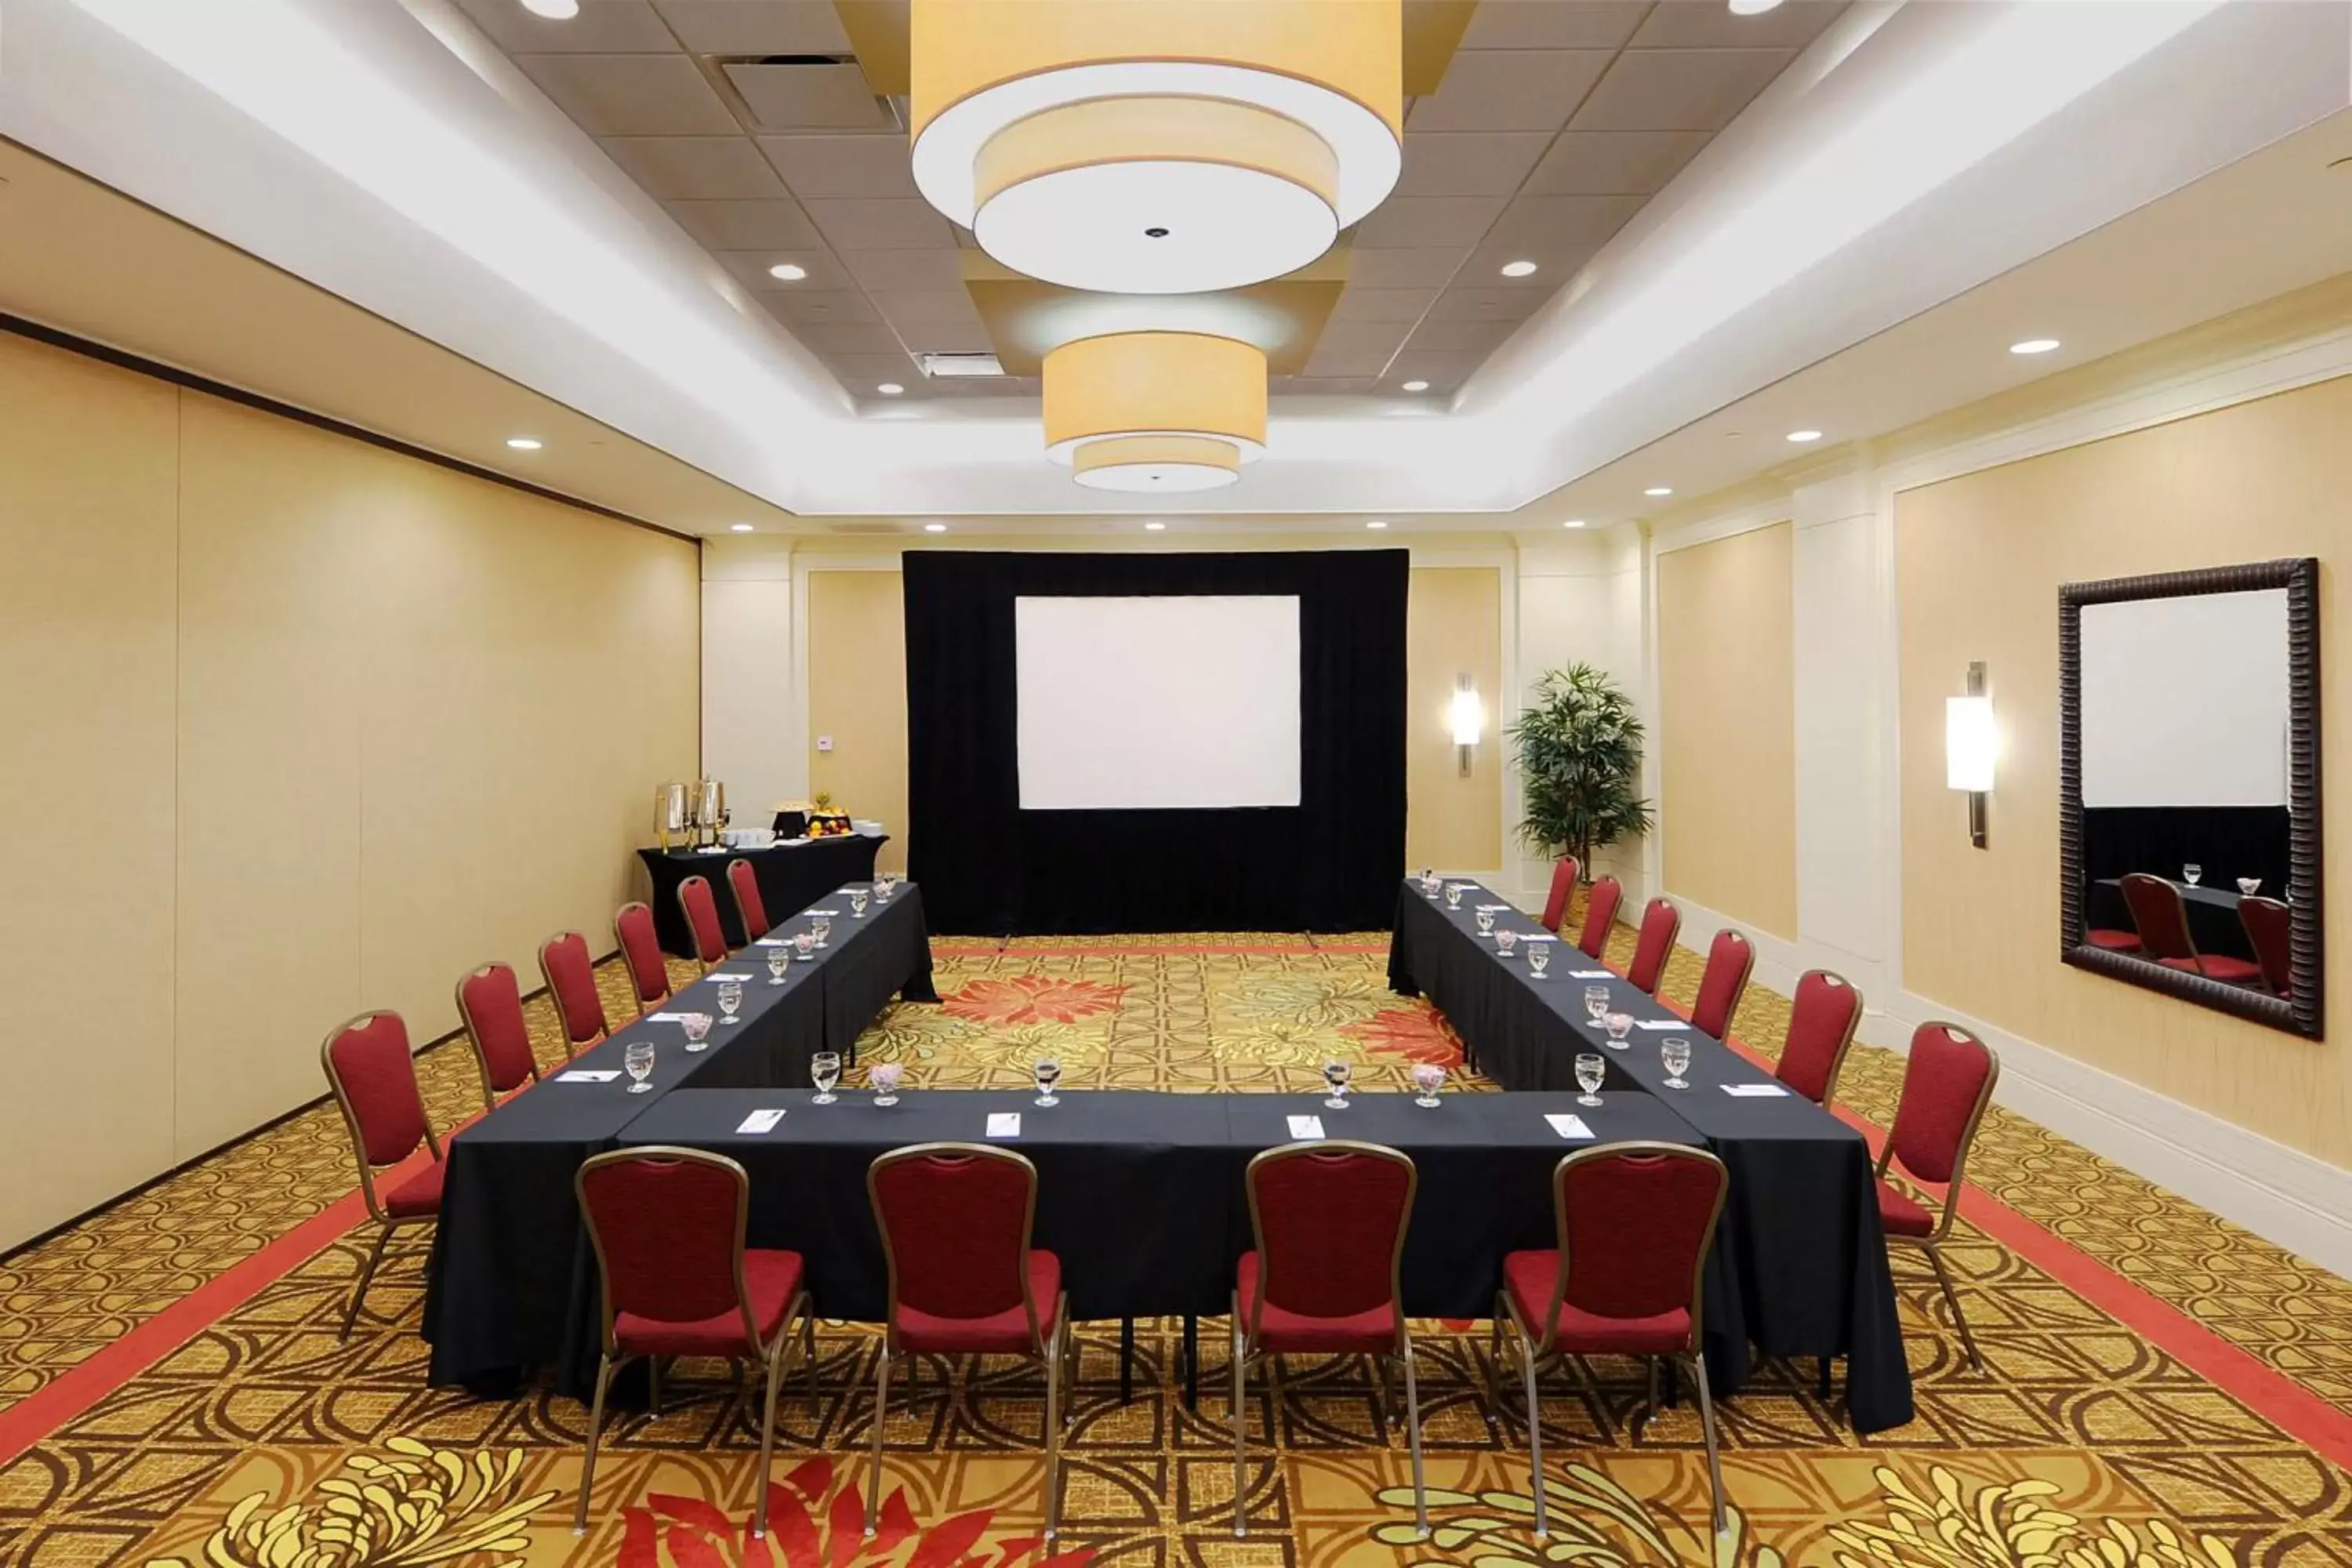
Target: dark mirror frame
<point>2303,1011</point>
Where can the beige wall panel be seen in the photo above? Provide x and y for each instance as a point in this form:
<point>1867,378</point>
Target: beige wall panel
<point>88,585</point>
<point>1453,623</point>
<point>857,695</point>
<point>1980,560</point>
<point>1727,729</point>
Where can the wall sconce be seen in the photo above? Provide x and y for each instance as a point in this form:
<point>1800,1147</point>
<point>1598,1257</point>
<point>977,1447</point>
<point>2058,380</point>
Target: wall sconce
<point>1469,717</point>
<point>1969,746</point>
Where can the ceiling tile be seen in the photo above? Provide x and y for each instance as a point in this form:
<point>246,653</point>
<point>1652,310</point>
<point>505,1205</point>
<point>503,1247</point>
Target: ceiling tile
<point>631,95</point>
<point>756,26</point>
<point>1326,385</point>
<point>602,28</point>
<point>1383,305</point>
<point>859,373</point>
<point>831,306</point>
<point>1419,222</point>
<point>1443,370</point>
<point>1470,336</point>
<point>1702,23</point>
<point>817,95</point>
<point>950,338</point>
<point>1614,162</point>
<point>907,223</point>
<point>1469,162</point>
<point>1404,267</point>
<point>1679,89</point>
<point>1557,262</point>
<point>1355,348</point>
<point>823,166</point>
<point>1551,223</point>
<point>848,337</point>
<point>746,226</point>
<point>875,269</point>
<point>1553,23</point>
<point>695,167</point>
<point>913,308</point>
<point>751,267</point>
<point>1487,304</point>
<point>1509,90</point>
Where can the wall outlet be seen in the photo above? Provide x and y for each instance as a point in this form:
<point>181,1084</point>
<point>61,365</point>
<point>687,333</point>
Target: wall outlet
<point>825,742</point>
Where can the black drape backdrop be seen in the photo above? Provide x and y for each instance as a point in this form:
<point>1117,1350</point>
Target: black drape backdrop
<point>1328,864</point>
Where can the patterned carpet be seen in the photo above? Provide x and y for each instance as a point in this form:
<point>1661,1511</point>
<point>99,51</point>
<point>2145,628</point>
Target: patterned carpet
<point>262,1442</point>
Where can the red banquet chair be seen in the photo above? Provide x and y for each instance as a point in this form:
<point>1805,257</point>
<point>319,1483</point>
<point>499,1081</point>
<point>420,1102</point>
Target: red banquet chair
<point>1635,1220</point>
<point>1947,1084</point>
<point>1329,1221</point>
<point>2162,916</point>
<point>700,908</point>
<point>1822,1018</point>
<point>571,976</point>
<point>1600,915</point>
<point>489,1004</point>
<point>632,924</point>
<point>2112,940</point>
<point>1730,959</point>
<point>1563,887</point>
<point>1654,945</point>
<point>374,1078</point>
<point>668,1225</point>
<point>744,883</point>
<point>956,1220</point>
<point>2268,922</point>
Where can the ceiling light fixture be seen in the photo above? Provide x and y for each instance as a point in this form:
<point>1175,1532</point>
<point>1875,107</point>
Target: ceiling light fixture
<point>889,389</point>
<point>1376,525</point>
<point>1155,413</point>
<point>788,271</point>
<point>1519,268</point>
<point>2033,346</point>
<point>1802,437</point>
<point>1659,490</point>
<point>1154,527</point>
<point>934,528</point>
<point>1753,8</point>
<point>738,528</point>
<point>1416,387</point>
<point>1156,147</point>
<point>1573,522</point>
<point>525,443</point>
<point>553,10</point>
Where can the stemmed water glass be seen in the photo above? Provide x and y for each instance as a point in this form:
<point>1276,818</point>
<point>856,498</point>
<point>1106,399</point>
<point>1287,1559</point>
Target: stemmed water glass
<point>639,1060</point>
<point>825,1071</point>
<point>886,884</point>
<point>2190,872</point>
<point>1454,895</point>
<point>1486,921</point>
<point>1674,1055</point>
<point>820,928</point>
<point>698,1030</point>
<point>1428,1077</point>
<point>1591,1070</point>
<point>1334,1078</point>
<point>804,946</point>
<point>1538,954</point>
<point>779,960</point>
<point>1046,1072</point>
<point>1596,1001</point>
<point>857,903</point>
<point>1504,941</point>
<point>730,1000</point>
<point>1619,1025</point>
<point>1428,883</point>
<point>884,1078</point>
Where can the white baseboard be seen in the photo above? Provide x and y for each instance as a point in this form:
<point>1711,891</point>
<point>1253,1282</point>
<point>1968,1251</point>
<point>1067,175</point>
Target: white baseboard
<point>1778,960</point>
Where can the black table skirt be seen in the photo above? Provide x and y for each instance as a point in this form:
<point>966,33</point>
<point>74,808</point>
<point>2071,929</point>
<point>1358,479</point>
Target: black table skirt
<point>791,877</point>
<point>1799,1264</point>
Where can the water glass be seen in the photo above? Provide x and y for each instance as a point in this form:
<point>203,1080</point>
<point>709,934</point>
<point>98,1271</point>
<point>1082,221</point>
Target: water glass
<point>1590,1072</point>
<point>1505,939</point>
<point>1596,1001</point>
<point>1674,1055</point>
<point>698,1030</point>
<point>1619,1025</point>
<point>1334,1078</point>
<point>639,1060</point>
<point>1454,895</point>
<point>857,903</point>
<point>825,1071</point>
<point>779,960</point>
<point>1428,1077</point>
<point>884,885</point>
<point>1046,1072</point>
<point>1430,882</point>
<point>820,928</point>
<point>2250,886</point>
<point>1486,921</point>
<point>730,1000</point>
<point>2189,873</point>
<point>885,1077</point>
<point>804,945</point>
<point>1538,954</point>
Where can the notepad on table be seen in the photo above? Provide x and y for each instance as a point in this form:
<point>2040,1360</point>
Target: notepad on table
<point>760,1121</point>
<point>1306,1127</point>
<point>1004,1124</point>
<point>773,941</point>
<point>1659,1023</point>
<point>724,979</point>
<point>664,1017</point>
<point>826,914</point>
<point>1754,1091</point>
<point>1568,1126</point>
<point>1590,975</point>
<point>588,1074</point>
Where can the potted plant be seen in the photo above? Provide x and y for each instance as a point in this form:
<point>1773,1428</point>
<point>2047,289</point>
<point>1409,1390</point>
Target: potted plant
<point>1579,748</point>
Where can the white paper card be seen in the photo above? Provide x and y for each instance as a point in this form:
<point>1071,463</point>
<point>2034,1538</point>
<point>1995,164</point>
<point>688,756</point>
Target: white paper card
<point>773,941</point>
<point>1537,936</point>
<point>1659,1023</point>
<point>722,979</point>
<point>826,914</point>
<point>1754,1091</point>
<point>1306,1127</point>
<point>588,1074</point>
<point>760,1121</point>
<point>1568,1126</point>
<point>664,1017</point>
<point>1004,1124</point>
<point>1590,975</point>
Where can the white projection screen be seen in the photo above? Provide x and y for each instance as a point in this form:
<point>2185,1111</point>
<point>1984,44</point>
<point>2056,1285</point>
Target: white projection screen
<point>2185,701</point>
<point>1166,702</point>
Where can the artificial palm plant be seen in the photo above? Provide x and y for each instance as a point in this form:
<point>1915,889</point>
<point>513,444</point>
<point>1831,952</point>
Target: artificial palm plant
<point>1580,753</point>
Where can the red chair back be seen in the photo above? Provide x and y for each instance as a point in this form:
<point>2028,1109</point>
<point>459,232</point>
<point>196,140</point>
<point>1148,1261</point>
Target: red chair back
<point>1563,887</point>
<point>1655,946</point>
<point>374,1078</point>
<point>1330,1221</point>
<point>1600,915</point>
<point>745,883</point>
<point>669,1226</point>
<point>1946,1086</point>
<point>571,977</point>
<point>1730,959</point>
<point>2267,923</point>
<point>694,897</point>
<point>1635,1223</point>
<point>955,1221</point>
<point>2161,914</point>
<point>641,948</point>
<point>489,1003</point>
<point>1822,1018</point>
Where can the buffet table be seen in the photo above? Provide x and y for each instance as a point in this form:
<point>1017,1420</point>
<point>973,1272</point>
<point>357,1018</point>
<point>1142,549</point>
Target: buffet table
<point>791,877</point>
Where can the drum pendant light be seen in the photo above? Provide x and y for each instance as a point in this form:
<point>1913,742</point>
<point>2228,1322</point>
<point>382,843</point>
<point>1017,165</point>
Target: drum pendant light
<point>1155,413</point>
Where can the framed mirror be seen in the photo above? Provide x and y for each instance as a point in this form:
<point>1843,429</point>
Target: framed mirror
<point>2188,781</point>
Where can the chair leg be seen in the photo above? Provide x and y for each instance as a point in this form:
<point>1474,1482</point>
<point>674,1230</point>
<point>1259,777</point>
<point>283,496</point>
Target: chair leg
<point>1412,1434</point>
<point>1240,1421</point>
<point>1381,1398</point>
<point>881,1409</point>
<point>1650,1410</point>
<point>1053,1353</point>
<point>653,1386</point>
<point>808,1347</point>
<point>367,1275</point>
<point>1959,1318</point>
<point>595,1429</point>
<point>1535,1438</point>
<point>777,1361</point>
<point>1706,1425</point>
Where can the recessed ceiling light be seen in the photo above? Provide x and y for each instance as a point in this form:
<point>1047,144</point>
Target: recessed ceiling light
<point>1753,8</point>
<point>1153,527</point>
<point>1573,522</point>
<point>934,528</point>
<point>553,10</point>
<point>889,389</point>
<point>788,271</point>
<point>524,443</point>
<point>1416,387</point>
<point>1376,525</point>
<point>1802,437</point>
<point>1659,490</point>
<point>738,528</point>
<point>2033,346</point>
<point>1519,268</point>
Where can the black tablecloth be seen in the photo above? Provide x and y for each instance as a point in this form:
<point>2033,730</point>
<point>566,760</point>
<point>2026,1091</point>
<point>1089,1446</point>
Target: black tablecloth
<point>1799,1266</point>
<point>791,877</point>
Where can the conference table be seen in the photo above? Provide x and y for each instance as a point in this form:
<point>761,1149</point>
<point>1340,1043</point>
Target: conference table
<point>1799,1262</point>
<point>2215,923</point>
<point>792,875</point>
<point>513,1282</point>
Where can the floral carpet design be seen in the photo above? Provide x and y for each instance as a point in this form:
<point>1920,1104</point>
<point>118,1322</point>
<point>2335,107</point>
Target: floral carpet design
<point>245,1434</point>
